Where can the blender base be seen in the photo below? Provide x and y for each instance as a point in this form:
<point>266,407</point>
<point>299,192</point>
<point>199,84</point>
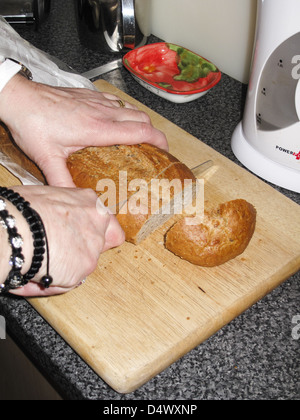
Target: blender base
<point>262,166</point>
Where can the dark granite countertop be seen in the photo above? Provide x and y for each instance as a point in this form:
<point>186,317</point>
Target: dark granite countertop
<point>255,356</point>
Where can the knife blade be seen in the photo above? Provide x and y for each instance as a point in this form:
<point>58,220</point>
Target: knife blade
<point>27,179</point>
<point>106,68</point>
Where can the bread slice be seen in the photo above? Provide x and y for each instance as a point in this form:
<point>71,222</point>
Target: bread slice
<point>146,206</point>
<point>223,235</point>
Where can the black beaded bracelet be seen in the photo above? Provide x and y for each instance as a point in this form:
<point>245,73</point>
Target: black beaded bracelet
<point>38,233</point>
<point>15,278</point>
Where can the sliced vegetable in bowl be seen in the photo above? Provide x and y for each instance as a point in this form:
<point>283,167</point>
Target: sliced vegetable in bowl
<point>171,71</point>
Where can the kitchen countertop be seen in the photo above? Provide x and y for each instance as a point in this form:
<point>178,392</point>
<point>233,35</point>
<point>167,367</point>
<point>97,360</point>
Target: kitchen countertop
<point>255,356</point>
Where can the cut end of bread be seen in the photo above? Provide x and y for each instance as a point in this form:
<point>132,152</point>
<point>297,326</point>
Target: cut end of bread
<point>138,227</point>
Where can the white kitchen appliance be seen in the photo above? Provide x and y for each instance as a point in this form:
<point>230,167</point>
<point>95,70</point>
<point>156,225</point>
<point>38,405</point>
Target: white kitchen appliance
<point>267,141</point>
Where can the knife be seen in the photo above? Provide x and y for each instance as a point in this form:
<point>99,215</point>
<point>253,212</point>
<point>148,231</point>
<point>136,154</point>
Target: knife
<point>106,68</point>
<point>27,179</point>
<point>197,171</point>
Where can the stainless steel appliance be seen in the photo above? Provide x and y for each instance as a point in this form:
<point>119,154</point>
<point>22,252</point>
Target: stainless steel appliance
<point>25,11</point>
<point>114,25</point>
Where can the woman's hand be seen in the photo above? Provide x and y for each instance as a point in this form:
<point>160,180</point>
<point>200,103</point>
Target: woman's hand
<point>49,124</point>
<point>77,234</point>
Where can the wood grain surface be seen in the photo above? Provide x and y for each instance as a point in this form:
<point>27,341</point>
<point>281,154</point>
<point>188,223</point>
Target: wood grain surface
<point>143,308</point>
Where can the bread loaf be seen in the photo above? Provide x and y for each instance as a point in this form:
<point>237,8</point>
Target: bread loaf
<point>140,162</point>
<point>224,234</point>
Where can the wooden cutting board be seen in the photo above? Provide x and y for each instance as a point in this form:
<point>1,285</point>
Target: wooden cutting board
<point>143,308</point>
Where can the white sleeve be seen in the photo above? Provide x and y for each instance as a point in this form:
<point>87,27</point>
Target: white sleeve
<point>8,69</point>
<point>43,69</point>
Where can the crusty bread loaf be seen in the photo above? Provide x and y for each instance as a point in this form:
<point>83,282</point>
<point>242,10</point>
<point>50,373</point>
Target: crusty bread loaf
<point>145,162</point>
<point>224,234</point>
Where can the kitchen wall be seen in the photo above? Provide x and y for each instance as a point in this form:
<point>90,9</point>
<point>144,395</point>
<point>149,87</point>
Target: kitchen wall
<point>220,30</point>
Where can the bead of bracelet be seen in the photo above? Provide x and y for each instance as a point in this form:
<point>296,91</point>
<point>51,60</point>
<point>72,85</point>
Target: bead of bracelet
<point>15,278</point>
<point>38,232</point>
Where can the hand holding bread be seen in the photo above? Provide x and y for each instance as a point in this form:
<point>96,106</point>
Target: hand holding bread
<point>77,235</point>
<point>50,123</point>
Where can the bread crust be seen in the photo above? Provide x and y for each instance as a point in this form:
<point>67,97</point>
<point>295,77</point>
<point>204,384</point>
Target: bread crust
<point>224,234</point>
<point>143,161</point>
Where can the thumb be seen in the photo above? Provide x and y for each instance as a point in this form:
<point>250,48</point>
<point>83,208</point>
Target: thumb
<point>57,173</point>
